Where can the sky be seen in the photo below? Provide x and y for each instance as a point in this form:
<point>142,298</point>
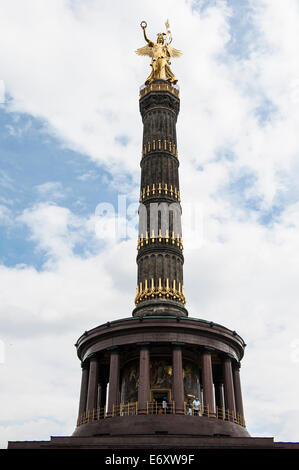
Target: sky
<point>70,147</point>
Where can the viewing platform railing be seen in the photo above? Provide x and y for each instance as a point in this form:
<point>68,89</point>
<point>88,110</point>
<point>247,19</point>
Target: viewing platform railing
<point>221,413</point>
<point>156,408</point>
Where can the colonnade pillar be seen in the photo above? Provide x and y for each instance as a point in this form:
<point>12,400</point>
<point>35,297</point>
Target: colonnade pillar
<point>102,393</point>
<point>113,398</point>
<point>207,381</point>
<point>144,378</point>
<point>84,388</point>
<point>229,394</point>
<point>93,380</point>
<point>178,384</point>
<point>237,389</point>
<point>219,395</point>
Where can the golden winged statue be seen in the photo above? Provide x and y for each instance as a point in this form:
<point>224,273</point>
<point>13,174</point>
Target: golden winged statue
<point>160,53</point>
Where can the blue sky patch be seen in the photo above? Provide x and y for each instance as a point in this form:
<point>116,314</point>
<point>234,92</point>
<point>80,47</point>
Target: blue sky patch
<point>36,168</point>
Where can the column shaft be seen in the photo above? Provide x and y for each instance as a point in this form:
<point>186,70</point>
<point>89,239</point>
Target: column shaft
<point>83,390</point>
<point>178,384</point>
<point>102,394</point>
<point>93,380</point>
<point>229,395</point>
<point>144,379</point>
<point>219,397</point>
<point>113,399</point>
<point>238,392</point>
<point>207,381</point>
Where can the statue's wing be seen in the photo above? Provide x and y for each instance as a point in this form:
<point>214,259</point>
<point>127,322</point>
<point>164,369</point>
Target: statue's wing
<point>146,50</point>
<point>173,52</point>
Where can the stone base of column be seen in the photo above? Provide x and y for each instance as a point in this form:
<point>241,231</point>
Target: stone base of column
<point>174,424</point>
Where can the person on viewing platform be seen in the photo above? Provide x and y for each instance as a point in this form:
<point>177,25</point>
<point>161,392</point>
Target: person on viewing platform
<point>196,406</point>
<point>189,408</point>
<point>164,405</point>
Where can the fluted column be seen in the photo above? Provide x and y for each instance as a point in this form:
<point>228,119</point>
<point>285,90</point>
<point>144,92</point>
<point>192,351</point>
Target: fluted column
<point>237,390</point>
<point>177,378</point>
<point>93,380</point>
<point>207,381</point>
<point>219,396</point>
<point>113,398</point>
<point>102,393</point>
<point>229,394</point>
<point>84,389</point>
<point>144,378</point>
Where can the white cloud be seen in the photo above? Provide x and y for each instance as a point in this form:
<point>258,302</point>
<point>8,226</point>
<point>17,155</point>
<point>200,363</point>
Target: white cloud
<point>43,313</point>
<point>5,215</point>
<point>247,281</point>
<point>5,181</point>
<point>50,190</point>
<point>19,130</point>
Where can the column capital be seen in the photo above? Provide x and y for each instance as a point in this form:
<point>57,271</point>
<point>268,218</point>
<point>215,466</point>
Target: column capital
<point>236,364</point>
<point>177,344</point>
<point>207,349</point>
<point>115,349</point>
<point>92,357</point>
<point>144,344</point>
<point>228,357</point>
